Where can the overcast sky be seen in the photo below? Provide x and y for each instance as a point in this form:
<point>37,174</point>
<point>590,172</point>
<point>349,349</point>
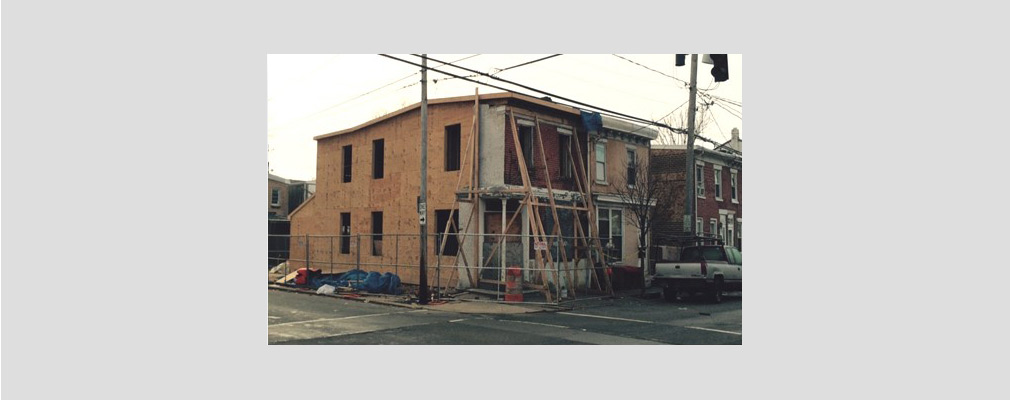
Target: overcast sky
<point>313,94</point>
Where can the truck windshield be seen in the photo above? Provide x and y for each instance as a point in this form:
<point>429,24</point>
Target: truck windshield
<point>694,254</point>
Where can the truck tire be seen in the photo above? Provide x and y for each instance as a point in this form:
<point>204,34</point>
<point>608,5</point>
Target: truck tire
<point>716,291</point>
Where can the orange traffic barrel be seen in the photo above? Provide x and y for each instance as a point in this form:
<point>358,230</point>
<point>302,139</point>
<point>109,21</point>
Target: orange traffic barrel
<point>513,285</point>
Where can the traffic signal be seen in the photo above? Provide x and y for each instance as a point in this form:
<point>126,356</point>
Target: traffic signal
<point>680,60</point>
<point>720,67</point>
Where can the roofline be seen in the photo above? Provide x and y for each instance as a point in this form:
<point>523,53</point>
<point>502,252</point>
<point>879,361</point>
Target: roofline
<point>278,179</point>
<point>292,213</point>
<point>490,96</point>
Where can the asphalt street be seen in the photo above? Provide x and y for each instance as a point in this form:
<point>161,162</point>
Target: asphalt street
<point>296,318</point>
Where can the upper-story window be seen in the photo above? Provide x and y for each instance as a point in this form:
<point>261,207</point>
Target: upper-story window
<point>699,180</point>
<point>632,165</point>
<point>452,147</point>
<point>732,182</point>
<point>347,163</point>
<point>601,162</point>
<point>275,197</point>
<point>717,176</point>
<point>526,141</point>
<point>378,158</point>
<point>565,152</point>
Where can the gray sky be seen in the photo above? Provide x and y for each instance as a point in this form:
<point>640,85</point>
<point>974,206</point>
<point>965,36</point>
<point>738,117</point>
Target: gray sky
<point>313,94</point>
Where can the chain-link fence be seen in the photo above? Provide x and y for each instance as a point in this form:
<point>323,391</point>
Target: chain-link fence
<point>466,266</point>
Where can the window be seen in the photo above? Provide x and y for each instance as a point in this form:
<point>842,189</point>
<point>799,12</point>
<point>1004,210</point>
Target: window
<point>708,253</point>
<point>712,225</point>
<point>718,183</point>
<point>345,233</point>
<point>732,182</point>
<point>377,233</point>
<point>699,180</point>
<point>526,140</point>
<point>700,228</point>
<point>601,162</point>
<point>378,158</point>
<point>729,233</point>
<point>565,150</point>
<point>275,197</point>
<point>452,147</point>
<point>451,241</point>
<point>347,163</point>
<point>611,233</point>
<point>632,164</point>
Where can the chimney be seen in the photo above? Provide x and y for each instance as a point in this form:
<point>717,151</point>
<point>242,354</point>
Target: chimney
<point>735,143</point>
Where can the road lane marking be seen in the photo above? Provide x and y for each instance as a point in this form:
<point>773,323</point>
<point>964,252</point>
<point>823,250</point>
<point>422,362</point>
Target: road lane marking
<point>600,316</point>
<point>457,320</point>
<point>533,323</point>
<point>342,318</point>
<point>272,317</point>
<point>714,330</point>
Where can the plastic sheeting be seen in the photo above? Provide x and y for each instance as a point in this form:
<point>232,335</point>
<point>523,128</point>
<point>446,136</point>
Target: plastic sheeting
<point>372,282</point>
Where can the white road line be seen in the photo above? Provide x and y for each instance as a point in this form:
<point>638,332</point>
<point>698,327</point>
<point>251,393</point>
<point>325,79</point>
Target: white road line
<point>714,330</point>
<point>457,320</point>
<point>533,323</point>
<point>600,316</point>
<point>272,317</point>
<point>341,318</point>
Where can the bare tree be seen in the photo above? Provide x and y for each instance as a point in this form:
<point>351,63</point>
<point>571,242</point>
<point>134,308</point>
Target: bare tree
<point>668,137</point>
<point>640,195</point>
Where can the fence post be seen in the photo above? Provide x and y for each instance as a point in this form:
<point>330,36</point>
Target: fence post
<point>331,255</point>
<point>357,263</point>
<point>438,268</point>
<point>307,252</point>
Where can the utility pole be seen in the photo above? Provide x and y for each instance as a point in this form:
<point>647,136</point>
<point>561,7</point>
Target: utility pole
<point>422,206</point>
<point>689,202</point>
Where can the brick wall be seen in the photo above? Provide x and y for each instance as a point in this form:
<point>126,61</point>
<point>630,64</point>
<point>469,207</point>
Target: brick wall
<point>551,149</point>
<point>280,210</point>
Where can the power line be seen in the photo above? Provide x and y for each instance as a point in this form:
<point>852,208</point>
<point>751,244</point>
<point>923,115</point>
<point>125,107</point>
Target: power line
<point>653,70</point>
<point>728,110</point>
<point>364,94</point>
<point>601,109</point>
<point>525,63</point>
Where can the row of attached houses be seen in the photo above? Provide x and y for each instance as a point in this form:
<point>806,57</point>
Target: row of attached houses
<point>718,188</point>
<point>368,182</point>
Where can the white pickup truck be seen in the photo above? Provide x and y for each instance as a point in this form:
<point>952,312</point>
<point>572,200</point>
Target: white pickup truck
<point>707,269</point>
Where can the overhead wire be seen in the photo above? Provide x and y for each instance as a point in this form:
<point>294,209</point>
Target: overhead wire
<point>601,110</point>
<point>363,94</point>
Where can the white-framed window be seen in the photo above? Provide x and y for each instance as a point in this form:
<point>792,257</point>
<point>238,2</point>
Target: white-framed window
<point>729,233</point>
<point>699,180</point>
<point>713,226</point>
<point>700,228</point>
<point>275,197</point>
<point>717,177</point>
<point>611,228</point>
<point>732,182</point>
<point>601,161</point>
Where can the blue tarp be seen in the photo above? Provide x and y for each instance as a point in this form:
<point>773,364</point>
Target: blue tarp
<point>592,121</point>
<point>373,282</point>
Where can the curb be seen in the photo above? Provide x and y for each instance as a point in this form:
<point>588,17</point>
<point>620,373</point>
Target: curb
<point>388,303</point>
<point>356,298</point>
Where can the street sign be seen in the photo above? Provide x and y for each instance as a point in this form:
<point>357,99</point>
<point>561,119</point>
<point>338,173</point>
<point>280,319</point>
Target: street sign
<point>422,211</point>
<point>539,245</point>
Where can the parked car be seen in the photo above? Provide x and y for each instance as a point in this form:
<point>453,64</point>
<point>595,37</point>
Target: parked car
<point>708,269</point>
